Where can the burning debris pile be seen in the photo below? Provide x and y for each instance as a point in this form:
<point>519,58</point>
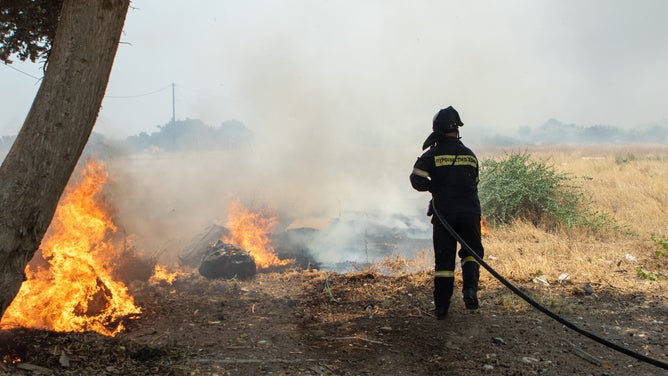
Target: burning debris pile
<point>225,260</point>
<point>345,244</point>
<point>252,231</point>
<point>198,247</point>
<point>238,252</point>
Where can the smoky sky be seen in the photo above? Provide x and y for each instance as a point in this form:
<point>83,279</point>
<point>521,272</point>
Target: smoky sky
<point>379,67</point>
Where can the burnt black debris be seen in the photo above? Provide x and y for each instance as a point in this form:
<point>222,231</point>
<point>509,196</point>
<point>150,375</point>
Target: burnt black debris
<point>227,261</point>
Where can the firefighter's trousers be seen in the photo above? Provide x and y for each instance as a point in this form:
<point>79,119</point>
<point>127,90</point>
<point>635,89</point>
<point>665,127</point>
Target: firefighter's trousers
<point>467,225</point>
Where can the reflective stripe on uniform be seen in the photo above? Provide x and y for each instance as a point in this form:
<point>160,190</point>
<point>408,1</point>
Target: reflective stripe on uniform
<point>469,258</point>
<point>455,160</point>
<point>444,274</point>
<point>420,173</point>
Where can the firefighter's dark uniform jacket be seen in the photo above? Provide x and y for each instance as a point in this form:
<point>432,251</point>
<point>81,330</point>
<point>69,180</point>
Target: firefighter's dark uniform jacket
<point>449,170</point>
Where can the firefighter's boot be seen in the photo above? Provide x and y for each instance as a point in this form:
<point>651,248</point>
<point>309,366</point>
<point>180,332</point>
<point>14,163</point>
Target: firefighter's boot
<point>470,275</point>
<point>443,288</point>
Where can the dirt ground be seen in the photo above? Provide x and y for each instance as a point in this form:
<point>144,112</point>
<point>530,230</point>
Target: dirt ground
<point>309,322</point>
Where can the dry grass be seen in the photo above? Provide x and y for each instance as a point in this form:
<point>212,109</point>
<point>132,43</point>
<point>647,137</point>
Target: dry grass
<point>627,183</point>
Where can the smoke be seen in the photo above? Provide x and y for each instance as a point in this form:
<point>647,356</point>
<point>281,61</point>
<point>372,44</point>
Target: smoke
<point>165,199</point>
<point>340,96</point>
<point>329,140</point>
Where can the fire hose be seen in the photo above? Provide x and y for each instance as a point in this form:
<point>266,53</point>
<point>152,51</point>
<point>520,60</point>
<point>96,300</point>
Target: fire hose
<point>539,307</point>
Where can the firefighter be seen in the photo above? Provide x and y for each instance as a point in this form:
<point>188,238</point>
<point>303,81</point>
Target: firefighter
<point>449,171</point>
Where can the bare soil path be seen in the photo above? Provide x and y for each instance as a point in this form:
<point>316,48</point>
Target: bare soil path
<point>317,323</point>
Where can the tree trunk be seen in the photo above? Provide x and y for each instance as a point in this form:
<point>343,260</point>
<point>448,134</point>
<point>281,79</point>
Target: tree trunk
<point>45,153</point>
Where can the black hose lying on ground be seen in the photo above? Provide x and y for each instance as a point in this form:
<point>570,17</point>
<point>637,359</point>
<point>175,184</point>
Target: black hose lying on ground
<point>539,307</point>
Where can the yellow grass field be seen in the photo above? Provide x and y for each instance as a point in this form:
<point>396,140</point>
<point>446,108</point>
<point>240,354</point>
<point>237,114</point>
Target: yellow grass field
<point>629,183</point>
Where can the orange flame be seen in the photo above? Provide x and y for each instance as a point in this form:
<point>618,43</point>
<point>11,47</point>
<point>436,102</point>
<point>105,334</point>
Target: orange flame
<point>161,273</point>
<point>484,231</point>
<point>251,232</point>
<point>75,290</point>
<point>11,359</point>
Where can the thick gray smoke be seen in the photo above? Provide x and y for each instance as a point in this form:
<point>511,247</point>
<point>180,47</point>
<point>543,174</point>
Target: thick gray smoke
<point>362,205</point>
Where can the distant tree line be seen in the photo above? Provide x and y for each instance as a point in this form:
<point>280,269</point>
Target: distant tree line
<point>555,132</point>
<point>192,134</point>
<point>181,135</point>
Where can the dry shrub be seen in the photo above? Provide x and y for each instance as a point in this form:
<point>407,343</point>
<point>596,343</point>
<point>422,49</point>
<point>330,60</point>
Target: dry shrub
<point>634,192</point>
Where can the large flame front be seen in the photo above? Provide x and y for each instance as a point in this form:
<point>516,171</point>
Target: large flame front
<point>251,231</point>
<point>75,291</point>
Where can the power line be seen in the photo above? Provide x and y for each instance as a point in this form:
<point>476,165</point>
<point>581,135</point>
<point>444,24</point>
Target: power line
<point>173,106</point>
<point>138,95</point>
<point>110,96</point>
<point>22,72</point>
<point>106,96</point>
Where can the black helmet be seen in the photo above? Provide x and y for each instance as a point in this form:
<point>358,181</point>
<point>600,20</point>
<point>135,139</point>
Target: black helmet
<point>446,120</point>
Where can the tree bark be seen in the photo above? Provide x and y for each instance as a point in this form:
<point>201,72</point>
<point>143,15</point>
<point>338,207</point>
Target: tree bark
<point>45,153</point>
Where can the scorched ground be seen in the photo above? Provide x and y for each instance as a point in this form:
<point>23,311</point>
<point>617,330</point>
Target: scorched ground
<point>290,323</point>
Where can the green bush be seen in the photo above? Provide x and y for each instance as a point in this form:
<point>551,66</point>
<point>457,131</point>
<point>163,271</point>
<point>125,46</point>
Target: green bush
<point>662,242</point>
<point>518,187</point>
<point>650,276</point>
<point>622,159</point>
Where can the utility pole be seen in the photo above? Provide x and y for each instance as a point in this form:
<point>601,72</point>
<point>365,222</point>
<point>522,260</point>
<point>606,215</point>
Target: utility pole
<point>173,106</point>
